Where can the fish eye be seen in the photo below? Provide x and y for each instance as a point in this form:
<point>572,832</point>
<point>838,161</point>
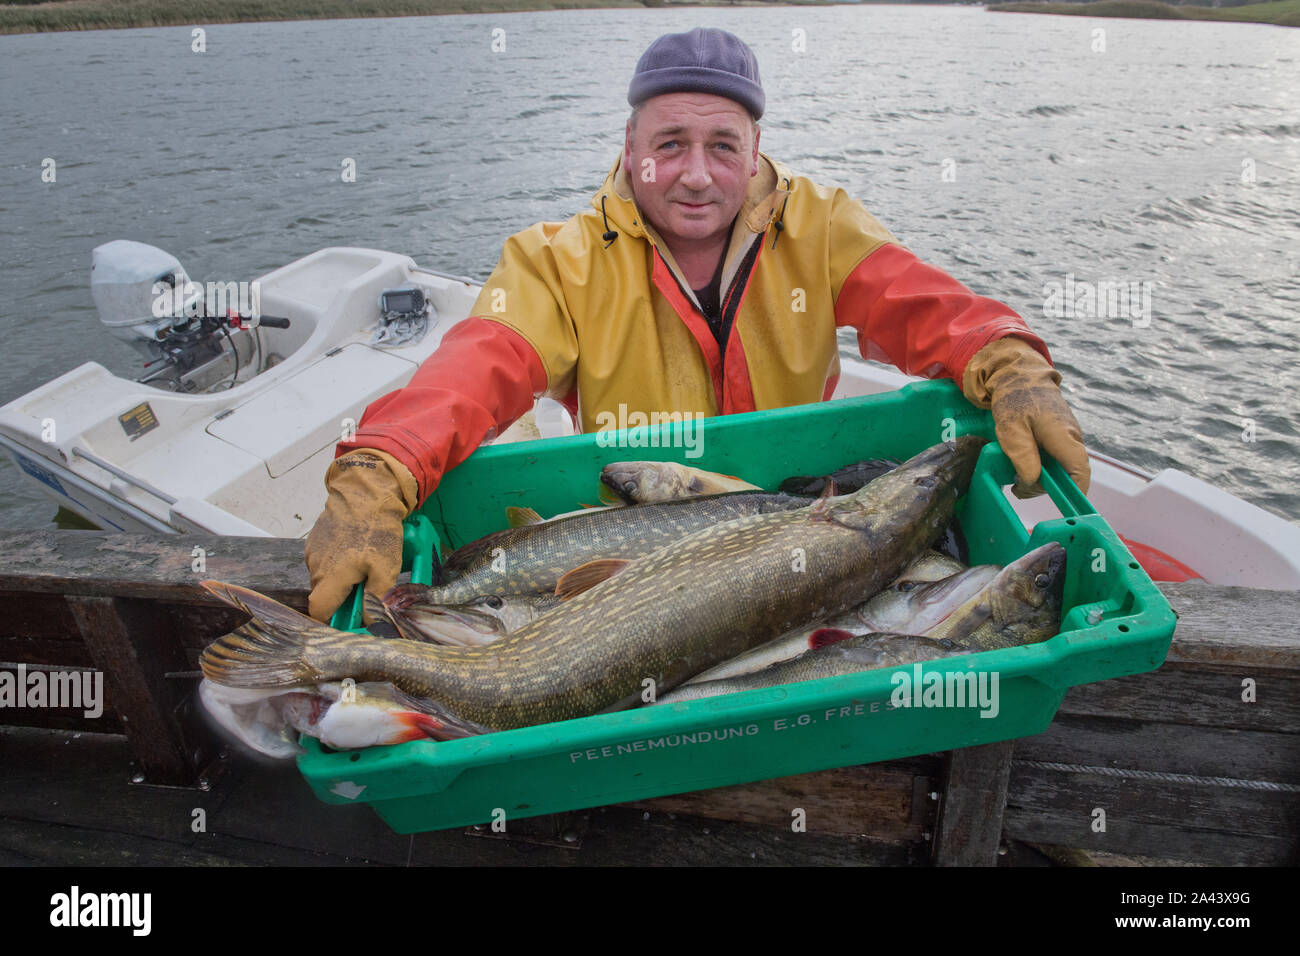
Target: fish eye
<point>1041,581</point>
<point>493,602</point>
<point>906,585</point>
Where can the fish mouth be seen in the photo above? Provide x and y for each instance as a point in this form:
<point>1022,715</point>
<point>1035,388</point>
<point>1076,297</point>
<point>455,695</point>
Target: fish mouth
<point>457,625</point>
<point>955,590</point>
<point>616,488</point>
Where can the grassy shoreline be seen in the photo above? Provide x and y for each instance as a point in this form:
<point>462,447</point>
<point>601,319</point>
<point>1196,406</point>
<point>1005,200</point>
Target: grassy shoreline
<point>63,15</point>
<point>1282,13</point>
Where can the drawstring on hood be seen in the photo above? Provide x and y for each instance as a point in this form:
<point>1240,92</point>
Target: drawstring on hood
<point>609,235</point>
<point>779,225</point>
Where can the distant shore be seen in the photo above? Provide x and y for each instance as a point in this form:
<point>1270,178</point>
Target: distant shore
<point>1282,13</point>
<point>121,14</point>
<point>60,15</point>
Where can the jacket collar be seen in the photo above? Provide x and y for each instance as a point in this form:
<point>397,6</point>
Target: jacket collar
<point>764,199</point>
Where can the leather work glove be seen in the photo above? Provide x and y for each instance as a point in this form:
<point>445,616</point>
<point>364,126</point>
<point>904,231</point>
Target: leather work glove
<point>1011,377</point>
<point>359,534</point>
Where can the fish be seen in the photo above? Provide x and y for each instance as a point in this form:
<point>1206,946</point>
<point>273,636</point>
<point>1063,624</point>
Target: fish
<point>667,616</point>
<point>492,616</point>
<point>531,559</point>
<point>856,476</point>
<point>342,715</point>
<point>487,618</point>
<point>912,604</point>
<point>1020,605</point>
<point>853,654</point>
<point>646,482</point>
<point>848,479</point>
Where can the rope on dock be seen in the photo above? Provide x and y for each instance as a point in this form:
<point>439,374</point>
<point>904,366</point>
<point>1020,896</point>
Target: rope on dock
<point>1162,776</point>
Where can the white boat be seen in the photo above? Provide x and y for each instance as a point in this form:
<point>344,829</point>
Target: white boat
<point>233,429</point>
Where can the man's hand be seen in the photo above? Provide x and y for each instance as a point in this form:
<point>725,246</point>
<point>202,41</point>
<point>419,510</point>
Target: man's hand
<point>358,536</point>
<point>1014,380</point>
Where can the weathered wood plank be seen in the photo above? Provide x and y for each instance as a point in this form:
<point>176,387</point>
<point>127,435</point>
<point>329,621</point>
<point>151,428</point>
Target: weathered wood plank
<point>1241,627</point>
<point>37,616</point>
<point>1130,838</point>
<point>1168,748</point>
<point>1189,694</point>
<point>132,647</point>
<point>971,801</point>
<point>1074,796</point>
<point>858,801</point>
<point>22,650</point>
<point>26,843</point>
<point>63,718</point>
<point>71,805</point>
<point>97,563</point>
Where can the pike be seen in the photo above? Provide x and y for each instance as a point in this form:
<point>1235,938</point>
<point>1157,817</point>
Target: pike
<point>703,599</point>
<point>531,559</point>
<point>861,652</point>
<point>912,604</point>
<point>643,482</point>
<point>1021,605</point>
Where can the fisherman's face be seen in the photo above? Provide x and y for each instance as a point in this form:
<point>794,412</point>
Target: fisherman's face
<point>690,157</point>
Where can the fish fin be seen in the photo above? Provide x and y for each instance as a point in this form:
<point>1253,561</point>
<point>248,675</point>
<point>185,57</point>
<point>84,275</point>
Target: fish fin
<point>402,596</point>
<point>821,508</point>
<point>270,612</point>
<point>373,609</point>
<point>428,718</point>
<point>438,577</point>
<point>966,625</point>
<point>255,656</point>
<point>824,636</point>
<point>392,612</point>
<point>522,517</point>
<point>435,728</point>
<point>608,496</point>
<point>587,576</point>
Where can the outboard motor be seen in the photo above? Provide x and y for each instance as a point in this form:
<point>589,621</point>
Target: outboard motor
<point>146,300</point>
<point>142,293</point>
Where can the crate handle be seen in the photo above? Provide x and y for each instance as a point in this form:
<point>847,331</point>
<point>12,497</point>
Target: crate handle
<point>1060,487</point>
<point>417,557</point>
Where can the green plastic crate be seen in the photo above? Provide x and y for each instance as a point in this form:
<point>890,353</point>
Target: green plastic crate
<point>774,732</point>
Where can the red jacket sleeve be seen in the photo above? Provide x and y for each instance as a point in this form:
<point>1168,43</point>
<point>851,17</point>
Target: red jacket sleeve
<point>482,377</point>
<point>917,317</point>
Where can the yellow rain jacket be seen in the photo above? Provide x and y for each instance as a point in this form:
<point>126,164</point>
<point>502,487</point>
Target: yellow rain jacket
<point>594,312</point>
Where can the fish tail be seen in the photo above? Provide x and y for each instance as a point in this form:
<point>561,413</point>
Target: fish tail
<point>257,656</point>
<point>272,648</point>
<point>374,608</point>
<point>266,609</point>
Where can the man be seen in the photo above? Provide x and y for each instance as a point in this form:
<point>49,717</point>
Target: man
<point>705,278</point>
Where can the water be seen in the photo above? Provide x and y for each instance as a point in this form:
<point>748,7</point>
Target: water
<point>1168,157</point>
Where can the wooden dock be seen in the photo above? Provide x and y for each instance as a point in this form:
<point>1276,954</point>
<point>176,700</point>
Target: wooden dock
<point>1196,763</point>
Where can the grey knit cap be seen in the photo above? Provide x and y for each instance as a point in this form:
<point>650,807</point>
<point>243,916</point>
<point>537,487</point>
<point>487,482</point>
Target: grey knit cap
<point>702,61</point>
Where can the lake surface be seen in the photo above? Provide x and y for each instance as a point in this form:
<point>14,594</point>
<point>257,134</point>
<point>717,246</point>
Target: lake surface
<point>1030,156</point>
